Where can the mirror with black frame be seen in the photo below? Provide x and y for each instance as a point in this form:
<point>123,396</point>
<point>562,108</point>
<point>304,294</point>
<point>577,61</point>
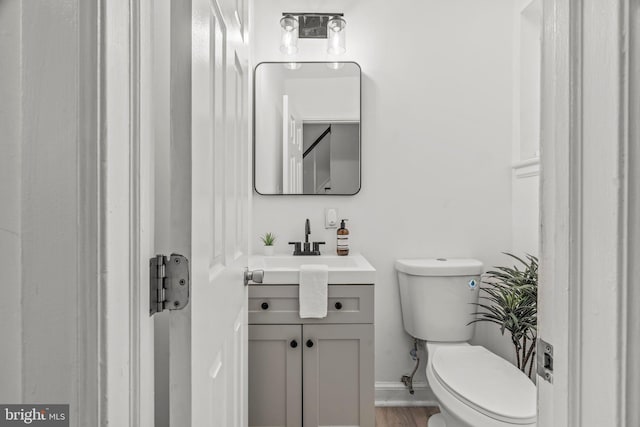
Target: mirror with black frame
<point>306,128</point>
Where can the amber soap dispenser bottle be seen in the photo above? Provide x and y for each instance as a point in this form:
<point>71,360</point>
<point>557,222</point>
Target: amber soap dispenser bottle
<point>342,247</point>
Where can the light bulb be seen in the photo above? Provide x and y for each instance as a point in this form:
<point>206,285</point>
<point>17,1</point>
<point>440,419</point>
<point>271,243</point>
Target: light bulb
<point>336,36</point>
<point>292,65</point>
<point>289,40</point>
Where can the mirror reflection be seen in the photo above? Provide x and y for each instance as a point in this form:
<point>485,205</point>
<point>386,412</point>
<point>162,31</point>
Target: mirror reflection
<point>307,128</point>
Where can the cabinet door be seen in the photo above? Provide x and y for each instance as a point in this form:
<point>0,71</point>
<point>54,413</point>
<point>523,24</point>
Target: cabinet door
<point>338,375</point>
<point>275,375</point>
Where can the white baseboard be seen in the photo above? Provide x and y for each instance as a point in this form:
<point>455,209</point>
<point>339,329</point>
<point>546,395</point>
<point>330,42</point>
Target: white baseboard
<point>391,393</point>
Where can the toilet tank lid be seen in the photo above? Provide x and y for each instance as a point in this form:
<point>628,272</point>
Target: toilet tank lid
<point>439,266</point>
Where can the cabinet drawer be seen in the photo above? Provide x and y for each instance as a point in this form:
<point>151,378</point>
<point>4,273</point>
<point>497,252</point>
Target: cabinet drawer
<point>279,305</point>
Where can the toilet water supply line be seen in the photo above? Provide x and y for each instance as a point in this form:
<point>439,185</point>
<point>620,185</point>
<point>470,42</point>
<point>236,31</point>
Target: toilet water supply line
<point>408,379</point>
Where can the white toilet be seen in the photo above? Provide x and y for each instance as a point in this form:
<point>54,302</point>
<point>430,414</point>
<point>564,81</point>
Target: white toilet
<point>474,387</point>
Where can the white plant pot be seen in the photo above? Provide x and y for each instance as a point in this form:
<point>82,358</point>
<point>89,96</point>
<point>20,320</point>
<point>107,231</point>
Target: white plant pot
<point>269,250</point>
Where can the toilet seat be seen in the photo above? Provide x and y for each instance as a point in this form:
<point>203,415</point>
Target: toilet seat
<point>486,383</point>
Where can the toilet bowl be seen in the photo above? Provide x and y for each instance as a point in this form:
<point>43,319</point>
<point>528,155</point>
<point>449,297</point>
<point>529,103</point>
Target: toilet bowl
<point>474,387</point>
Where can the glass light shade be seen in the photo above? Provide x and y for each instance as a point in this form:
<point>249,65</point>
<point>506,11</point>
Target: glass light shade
<point>336,36</point>
<point>289,41</point>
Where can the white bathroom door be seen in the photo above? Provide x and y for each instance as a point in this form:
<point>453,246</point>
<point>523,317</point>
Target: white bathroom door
<point>219,215</point>
<point>291,149</point>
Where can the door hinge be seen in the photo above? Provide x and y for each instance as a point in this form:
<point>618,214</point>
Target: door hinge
<point>168,283</point>
<point>544,359</point>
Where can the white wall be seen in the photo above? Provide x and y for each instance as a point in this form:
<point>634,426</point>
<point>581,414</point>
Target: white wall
<point>48,207</point>
<point>325,99</point>
<point>436,142</point>
<point>526,126</point>
<point>10,187</point>
<point>49,184</point>
<point>525,180</point>
<point>526,209</point>
<point>527,70</point>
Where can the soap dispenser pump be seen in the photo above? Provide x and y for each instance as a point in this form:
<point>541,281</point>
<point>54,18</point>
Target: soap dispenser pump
<point>342,247</point>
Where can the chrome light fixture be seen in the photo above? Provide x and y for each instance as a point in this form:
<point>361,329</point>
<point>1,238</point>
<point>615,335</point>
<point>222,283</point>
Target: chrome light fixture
<point>336,36</point>
<point>330,26</point>
<point>289,39</point>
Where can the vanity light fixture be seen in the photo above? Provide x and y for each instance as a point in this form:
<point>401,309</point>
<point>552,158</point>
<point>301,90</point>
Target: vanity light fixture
<point>330,26</point>
<point>289,39</point>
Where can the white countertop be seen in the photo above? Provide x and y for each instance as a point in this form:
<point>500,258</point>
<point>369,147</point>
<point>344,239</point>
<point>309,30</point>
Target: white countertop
<point>284,269</point>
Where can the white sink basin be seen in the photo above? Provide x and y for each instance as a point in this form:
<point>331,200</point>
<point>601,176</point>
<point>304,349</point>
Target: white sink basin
<point>285,269</point>
<point>289,261</point>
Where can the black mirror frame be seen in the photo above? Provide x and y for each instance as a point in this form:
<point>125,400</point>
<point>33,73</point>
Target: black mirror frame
<point>253,127</point>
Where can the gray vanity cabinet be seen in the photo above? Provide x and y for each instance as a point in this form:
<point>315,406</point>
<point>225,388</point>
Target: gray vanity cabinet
<point>311,372</point>
<point>275,375</point>
<point>338,385</point>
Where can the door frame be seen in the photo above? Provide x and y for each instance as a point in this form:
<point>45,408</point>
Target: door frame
<point>588,302</point>
<point>121,289</point>
<point>96,94</point>
<point>570,201</point>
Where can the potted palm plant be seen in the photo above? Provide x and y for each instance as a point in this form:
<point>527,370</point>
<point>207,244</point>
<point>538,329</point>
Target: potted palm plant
<point>268,239</point>
<point>510,300</point>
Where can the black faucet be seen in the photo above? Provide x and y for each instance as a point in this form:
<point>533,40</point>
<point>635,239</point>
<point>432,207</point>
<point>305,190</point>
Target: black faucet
<point>307,231</point>
<point>299,249</point>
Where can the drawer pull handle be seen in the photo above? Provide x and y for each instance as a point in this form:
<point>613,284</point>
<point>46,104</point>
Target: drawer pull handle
<point>338,305</point>
<point>309,343</point>
<point>293,344</point>
<point>264,306</point>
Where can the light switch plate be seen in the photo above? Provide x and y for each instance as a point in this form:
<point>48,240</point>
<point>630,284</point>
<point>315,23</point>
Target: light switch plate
<point>331,218</point>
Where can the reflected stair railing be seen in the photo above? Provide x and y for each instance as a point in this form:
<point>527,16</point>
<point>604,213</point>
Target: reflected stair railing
<point>316,142</point>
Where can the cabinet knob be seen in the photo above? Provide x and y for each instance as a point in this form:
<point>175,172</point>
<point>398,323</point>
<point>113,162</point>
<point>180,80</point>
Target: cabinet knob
<point>264,306</point>
<point>293,344</point>
<point>309,343</point>
<point>338,305</point>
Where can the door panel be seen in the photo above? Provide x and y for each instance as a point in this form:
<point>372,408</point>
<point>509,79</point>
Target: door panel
<point>218,328</point>
<point>291,149</point>
<point>275,393</point>
<point>337,370</point>
<point>218,77</point>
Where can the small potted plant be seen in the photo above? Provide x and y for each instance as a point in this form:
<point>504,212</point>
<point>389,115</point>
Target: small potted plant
<point>511,302</point>
<point>268,239</point>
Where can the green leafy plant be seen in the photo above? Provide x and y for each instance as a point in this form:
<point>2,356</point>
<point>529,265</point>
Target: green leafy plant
<point>268,239</point>
<point>510,300</point>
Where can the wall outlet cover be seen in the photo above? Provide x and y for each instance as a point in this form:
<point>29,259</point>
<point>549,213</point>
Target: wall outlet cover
<point>331,218</point>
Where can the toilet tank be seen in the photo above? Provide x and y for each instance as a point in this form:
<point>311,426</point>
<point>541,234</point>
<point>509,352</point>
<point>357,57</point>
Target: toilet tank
<point>438,296</point>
